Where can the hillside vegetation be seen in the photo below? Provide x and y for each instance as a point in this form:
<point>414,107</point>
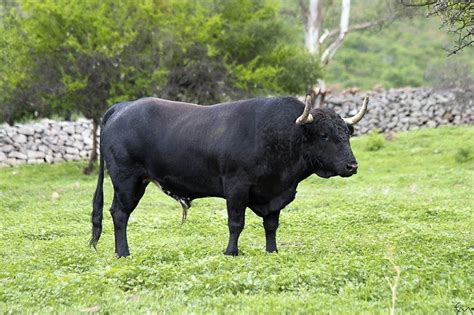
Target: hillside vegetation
<point>411,205</point>
<point>408,52</point>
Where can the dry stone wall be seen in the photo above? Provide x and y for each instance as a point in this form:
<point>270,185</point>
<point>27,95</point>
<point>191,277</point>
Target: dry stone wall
<point>398,110</point>
<point>45,141</point>
<point>408,108</point>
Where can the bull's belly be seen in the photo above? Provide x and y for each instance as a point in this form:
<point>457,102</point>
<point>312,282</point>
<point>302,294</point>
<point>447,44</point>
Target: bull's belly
<point>191,188</point>
<point>264,203</point>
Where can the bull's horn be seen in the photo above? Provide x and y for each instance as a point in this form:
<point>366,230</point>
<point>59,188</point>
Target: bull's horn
<point>357,117</point>
<point>306,117</point>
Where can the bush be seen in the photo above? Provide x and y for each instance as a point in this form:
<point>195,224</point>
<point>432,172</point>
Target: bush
<point>375,141</point>
<point>463,155</point>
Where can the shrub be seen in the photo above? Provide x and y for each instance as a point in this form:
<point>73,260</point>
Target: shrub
<point>463,155</point>
<point>375,141</point>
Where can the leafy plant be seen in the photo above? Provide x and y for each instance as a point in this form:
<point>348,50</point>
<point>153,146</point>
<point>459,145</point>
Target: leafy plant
<point>463,155</point>
<point>375,141</point>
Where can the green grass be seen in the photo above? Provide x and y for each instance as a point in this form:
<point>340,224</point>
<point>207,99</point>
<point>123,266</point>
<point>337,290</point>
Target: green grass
<point>412,200</point>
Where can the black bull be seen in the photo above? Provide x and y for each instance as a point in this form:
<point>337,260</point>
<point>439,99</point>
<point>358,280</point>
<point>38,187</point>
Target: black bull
<point>251,153</point>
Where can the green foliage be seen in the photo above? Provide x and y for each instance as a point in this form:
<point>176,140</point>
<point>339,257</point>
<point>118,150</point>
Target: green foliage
<point>15,81</point>
<point>85,55</point>
<point>408,52</point>
<point>411,200</point>
<point>375,141</point>
<point>457,17</point>
<point>463,155</point>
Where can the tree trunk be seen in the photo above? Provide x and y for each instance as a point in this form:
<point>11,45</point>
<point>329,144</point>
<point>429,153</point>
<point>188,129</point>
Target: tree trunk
<point>10,121</point>
<point>322,91</point>
<point>93,158</point>
<point>313,26</point>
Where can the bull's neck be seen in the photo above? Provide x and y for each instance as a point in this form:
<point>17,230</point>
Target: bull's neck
<point>303,166</point>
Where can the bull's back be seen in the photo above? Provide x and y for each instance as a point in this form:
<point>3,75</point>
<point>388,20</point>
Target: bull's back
<point>187,148</point>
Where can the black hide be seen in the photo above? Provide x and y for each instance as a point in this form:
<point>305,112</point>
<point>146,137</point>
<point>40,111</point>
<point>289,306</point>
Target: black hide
<point>252,153</point>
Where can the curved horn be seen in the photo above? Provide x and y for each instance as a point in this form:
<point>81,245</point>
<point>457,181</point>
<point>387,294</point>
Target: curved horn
<point>357,117</point>
<point>306,117</point>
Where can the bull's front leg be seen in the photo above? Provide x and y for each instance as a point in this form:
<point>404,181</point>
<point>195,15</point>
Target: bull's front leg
<point>236,204</point>
<point>270,223</point>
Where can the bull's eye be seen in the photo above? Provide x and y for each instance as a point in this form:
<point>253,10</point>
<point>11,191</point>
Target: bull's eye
<point>324,136</point>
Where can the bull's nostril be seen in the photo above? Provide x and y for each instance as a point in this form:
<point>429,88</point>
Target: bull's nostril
<point>352,167</point>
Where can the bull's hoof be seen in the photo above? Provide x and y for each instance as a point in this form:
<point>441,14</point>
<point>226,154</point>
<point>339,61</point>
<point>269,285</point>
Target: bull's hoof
<point>232,252</point>
<point>121,256</point>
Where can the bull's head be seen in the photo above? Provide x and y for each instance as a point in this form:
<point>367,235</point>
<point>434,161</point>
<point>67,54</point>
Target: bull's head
<point>328,135</point>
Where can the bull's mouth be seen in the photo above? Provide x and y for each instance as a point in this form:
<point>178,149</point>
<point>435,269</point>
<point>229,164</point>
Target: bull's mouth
<point>325,173</point>
<point>348,174</point>
<point>328,174</point>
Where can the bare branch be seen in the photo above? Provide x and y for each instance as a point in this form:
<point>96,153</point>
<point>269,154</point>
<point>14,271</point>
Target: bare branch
<point>343,28</point>
<point>358,27</point>
<point>411,3</point>
<point>324,36</point>
<point>457,17</point>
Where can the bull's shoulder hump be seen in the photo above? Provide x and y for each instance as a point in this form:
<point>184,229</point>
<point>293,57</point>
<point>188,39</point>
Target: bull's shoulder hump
<point>159,103</point>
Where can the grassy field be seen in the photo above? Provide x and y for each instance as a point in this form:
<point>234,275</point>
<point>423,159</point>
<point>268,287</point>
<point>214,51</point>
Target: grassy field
<point>411,205</point>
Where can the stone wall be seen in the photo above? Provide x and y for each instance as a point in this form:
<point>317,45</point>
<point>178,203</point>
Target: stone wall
<point>398,110</point>
<point>45,141</point>
<point>408,108</point>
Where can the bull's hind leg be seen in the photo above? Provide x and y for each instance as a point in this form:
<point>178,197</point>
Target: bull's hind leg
<point>127,194</point>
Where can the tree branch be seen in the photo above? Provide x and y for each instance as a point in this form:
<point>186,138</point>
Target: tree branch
<point>412,3</point>
<point>357,27</point>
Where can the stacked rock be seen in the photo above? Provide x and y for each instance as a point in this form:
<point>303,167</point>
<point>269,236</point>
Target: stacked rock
<point>393,110</point>
<point>45,141</point>
<point>406,109</point>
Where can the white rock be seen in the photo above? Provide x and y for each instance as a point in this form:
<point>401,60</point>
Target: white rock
<point>26,130</point>
<point>11,131</point>
<point>35,154</point>
<point>79,145</point>
<point>31,146</point>
<point>79,129</point>
<point>54,148</point>
<point>3,157</point>
<point>13,162</point>
<point>20,139</point>
<point>49,158</point>
<point>7,148</point>
<point>17,155</point>
<point>55,196</point>
<point>74,151</point>
<point>35,161</point>
<point>69,129</point>
<point>71,157</point>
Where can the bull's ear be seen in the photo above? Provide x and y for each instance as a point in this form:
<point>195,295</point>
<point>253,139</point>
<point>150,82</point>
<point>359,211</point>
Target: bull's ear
<point>351,129</point>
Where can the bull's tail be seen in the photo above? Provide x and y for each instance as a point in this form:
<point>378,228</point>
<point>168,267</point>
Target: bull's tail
<point>98,204</point>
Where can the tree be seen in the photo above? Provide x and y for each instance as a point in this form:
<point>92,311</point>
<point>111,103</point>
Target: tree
<point>314,16</point>
<point>16,88</point>
<point>223,50</point>
<point>76,49</point>
<point>83,56</point>
<point>457,16</point>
